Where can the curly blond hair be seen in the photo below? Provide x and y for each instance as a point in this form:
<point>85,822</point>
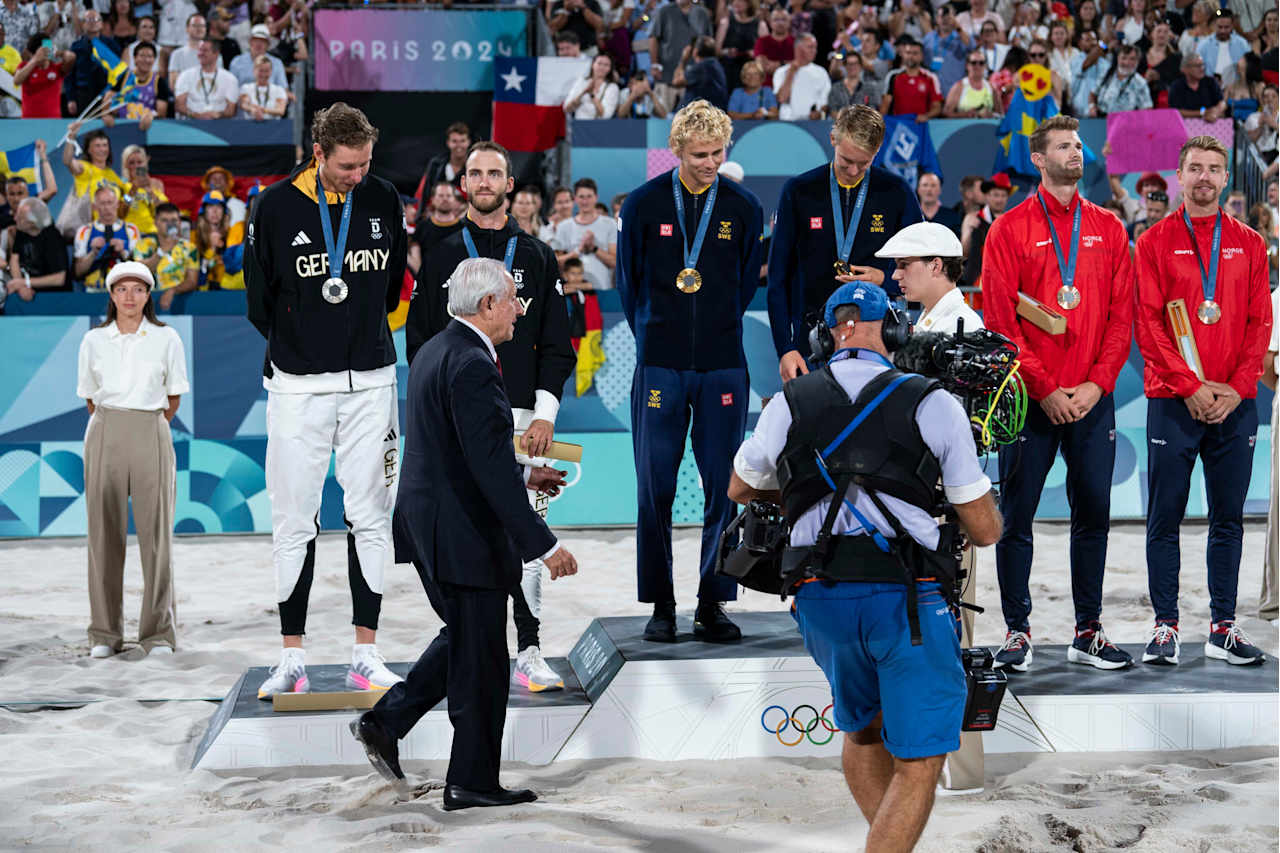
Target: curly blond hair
<point>699,120</point>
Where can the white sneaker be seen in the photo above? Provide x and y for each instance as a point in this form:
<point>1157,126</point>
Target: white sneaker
<point>101,652</point>
<point>288,676</point>
<point>533,673</point>
<point>160,652</point>
<point>369,669</point>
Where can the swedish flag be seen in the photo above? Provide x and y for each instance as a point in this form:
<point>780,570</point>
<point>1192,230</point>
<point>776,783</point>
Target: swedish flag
<point>22,162</point>
<point>116,68</point>
<point>1014,134</point>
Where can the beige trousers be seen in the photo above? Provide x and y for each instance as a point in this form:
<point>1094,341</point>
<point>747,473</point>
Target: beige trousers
<point>965,768</point>
<point>128,454</point>
<point>1269,600</point>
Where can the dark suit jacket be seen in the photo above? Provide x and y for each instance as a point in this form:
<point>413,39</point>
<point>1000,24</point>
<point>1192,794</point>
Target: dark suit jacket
<point>461,510</point>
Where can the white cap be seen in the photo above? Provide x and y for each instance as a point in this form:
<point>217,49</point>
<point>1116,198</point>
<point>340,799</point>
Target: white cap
<point>923,240</point>
<point>130,269</point>
<point>731,170</point>
<point>260,31</point>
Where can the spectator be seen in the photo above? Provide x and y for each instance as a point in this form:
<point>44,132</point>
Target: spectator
<point>703,78</point>
<point>171,259</point>
<point>1087,20</point>
<point>19,21</point>
<point>1268,37</point>
<point>639,101</point>
<point>1132,26</point>
<point>777,47</point>
<point>972,97</point>
<point>617,31</point>
<point>736,36</point>
<point>1061,51</point>
<point>561,211</point>
<point>16,189</point>
<point>972,197</point>
<point>583,18</point>
<point>220,19</point>
<point>146,32</point>
<point>910,90</point>
<point>856,87</point>
<point>88,174</point>
<point>1133,207</point>
<point>449,167</point>
<point>526,211</point>
<point>589,236</point>
<point>675,26</point>
<point>120,23</point>
<point>220,253</point>
<point>38,254</point>
<point>1236,205</point>
<point>262,99</point>
<point>40,78</point>
<point>1038,53</point>
<point>907,18</point>
<point>290,23</point>
<point>59,19</point>
<point>207,91</point>
<point>567,45</point>
<point>103,243</point>
<point>10,58</point>
<point>187,56</point>
<point>973,20</point>
<point>946,48</point>
<point>1087,71</point>
<point>1224,50</point>
<point>992,50</point>
<point>928,191</point>
<point>219,179</point>
<point>1122,89</point>
<point>1160,63</point>
<point>870,45</point>
<point>1194,95</point>
<point>1156,208</point>
<point>1201,29</point>
<point>243,65</point>
<point>1005,80</point>
<point>596,94</point>
<point>1027,27</point>
<point>1262,218</point>
<point>144,193</point>
<point>615,204</point>
<point>150,95</point>
<point>90,78</point>
<point>802,87</point>
<point>974,228</point>
<point>1260,127</point>
<point>173,17</point>
<point>443,217</point>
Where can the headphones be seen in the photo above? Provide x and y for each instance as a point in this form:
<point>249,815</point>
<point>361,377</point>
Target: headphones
<point>894,332</point>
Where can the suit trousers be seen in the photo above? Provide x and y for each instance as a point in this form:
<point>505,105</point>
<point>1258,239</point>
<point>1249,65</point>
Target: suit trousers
<point>128,456</point>
<point>1269,599</point>
<point>467,662</point>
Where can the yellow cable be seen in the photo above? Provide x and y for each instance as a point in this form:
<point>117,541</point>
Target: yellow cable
<point>991,410</point>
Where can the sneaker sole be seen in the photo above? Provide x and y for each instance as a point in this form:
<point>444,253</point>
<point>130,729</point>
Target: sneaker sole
<point>1160,660</point>
<point>659,638</point>
<point>356,681</point>
<point>535,686</point>
<point>1074,655</point>
<point>383,769</point>
<point>1219,653</point>
<point>302,685</point>
<point>1016,667</point>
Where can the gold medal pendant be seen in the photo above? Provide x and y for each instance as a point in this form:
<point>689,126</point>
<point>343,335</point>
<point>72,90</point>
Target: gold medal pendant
<point>689,280</point>
<point>1068,297</point>
<point>1209,312</point>
<point>842,268</point>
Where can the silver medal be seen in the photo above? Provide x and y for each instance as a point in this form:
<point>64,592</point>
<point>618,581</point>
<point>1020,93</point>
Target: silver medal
<point>334,290</point>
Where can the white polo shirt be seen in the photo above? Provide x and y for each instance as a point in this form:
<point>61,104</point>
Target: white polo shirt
<point>207,92</point>
<point>942,317</point>
<point>138,371</point>
<point>809,88</point>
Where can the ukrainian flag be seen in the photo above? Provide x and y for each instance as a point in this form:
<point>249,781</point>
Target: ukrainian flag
<point>116,68</point>
<point>24,163</point>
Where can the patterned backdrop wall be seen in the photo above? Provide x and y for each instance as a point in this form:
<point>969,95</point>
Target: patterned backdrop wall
<point>221,445</point>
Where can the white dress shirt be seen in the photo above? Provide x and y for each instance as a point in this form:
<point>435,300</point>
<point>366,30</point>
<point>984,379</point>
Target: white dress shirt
<point>138,371</point>
<point>810,87</point>
<point>946,311</point>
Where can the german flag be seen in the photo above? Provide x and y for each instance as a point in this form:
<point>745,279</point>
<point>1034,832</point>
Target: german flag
<point>587,326</point>
<point>182,166</point>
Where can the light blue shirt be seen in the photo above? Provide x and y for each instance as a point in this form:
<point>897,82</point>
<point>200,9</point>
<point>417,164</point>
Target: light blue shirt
<point>1085,82</point>
<point>741,102</point>
<point>242,68</point>
<point>943,425</point>
<point>1236,48</point>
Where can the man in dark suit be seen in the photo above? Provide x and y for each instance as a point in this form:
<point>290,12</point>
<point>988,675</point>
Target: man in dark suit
<point>462,518</point>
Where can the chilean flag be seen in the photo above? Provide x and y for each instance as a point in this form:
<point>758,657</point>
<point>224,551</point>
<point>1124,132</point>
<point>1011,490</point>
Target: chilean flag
<point>528,99</point>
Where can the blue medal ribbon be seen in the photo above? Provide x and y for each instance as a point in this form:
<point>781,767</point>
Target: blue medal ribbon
<point>335,252</point>
<point>507,259</point>
<point>1208,280</point>
<point>691,252</point>
<point>844,238</point>
<point>1067,266</point>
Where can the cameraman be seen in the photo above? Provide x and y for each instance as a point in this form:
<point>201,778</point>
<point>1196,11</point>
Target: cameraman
<point>900,705</point>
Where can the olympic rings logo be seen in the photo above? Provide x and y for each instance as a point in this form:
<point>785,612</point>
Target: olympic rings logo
<point>803,728</point>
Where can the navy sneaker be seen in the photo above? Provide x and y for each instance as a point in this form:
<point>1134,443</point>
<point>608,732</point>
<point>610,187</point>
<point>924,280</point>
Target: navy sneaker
<point>1092,647</point>
<point>1227,642</point>
<point>1016,653</point>
<point>1163,646</point>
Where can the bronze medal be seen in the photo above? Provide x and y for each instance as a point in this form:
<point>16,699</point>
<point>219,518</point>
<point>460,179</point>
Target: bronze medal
<point>1068,297</point>
<point>689,280</point>
<point>1209,312</point>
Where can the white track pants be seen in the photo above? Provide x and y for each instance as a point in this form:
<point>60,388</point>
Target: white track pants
<point>361,429</point>
<point>531,578</point>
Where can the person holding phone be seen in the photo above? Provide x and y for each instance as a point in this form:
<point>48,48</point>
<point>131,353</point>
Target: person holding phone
<point>41,76</point>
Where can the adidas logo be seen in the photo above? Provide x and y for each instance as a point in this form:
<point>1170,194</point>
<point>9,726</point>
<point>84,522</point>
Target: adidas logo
<point>391,436</point>
<point>301,239</point>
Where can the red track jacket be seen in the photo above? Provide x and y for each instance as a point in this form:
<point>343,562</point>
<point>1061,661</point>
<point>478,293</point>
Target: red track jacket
<point>1019,256</point>
<point>1231,349</point>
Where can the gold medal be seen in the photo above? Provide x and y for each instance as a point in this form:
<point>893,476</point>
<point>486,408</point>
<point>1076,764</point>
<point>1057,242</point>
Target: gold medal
<point>842,268</point>
<point>689,280</point>
<point>1068,297</point>
<point>1209,312</point>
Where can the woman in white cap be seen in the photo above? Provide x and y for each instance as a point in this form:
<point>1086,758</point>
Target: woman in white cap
<point>133,369</point>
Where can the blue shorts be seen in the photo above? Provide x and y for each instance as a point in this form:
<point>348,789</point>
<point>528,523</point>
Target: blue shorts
<point>859,637</point>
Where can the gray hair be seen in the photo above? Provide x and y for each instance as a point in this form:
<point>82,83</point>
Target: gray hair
<point>37,210</point>
<point>472,281</point>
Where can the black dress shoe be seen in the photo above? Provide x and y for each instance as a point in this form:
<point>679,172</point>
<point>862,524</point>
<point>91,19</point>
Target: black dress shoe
<point>712,624</point>
<point>457,797</point>
<point>662,625</point>
<point>380,745</point>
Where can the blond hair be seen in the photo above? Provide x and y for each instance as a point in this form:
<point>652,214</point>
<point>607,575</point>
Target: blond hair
<point>699,120</point>
<point>861,125</point>
<point>1039,142</point>
<point>1203,143</point>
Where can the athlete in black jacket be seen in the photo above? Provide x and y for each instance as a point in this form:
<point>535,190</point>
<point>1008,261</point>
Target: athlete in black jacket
<point>534,364</point>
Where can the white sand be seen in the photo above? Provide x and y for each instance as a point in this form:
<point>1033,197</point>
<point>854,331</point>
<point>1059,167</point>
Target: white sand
<point>112,774</point>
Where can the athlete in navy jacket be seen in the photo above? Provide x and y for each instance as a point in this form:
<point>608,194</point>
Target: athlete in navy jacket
<point>685,280</point>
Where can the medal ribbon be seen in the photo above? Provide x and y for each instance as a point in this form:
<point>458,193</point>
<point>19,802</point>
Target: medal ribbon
<point>336,253</point>
<point>1209,280</point>
<point>1067,267</point>
<point>844,239</point>
<point>691,253</point>
<point>507,260</point>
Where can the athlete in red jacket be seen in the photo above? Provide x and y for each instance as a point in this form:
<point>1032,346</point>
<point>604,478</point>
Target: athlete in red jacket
<point>1221,275</point>
<point>1080,266</point>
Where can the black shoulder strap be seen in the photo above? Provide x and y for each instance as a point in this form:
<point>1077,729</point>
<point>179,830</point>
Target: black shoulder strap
<point>908,572</point>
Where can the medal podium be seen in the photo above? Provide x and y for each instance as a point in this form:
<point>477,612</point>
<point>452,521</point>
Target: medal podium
<point>626,698</point>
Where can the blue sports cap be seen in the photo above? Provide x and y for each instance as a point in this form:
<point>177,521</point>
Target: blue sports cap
<point>872,301</point>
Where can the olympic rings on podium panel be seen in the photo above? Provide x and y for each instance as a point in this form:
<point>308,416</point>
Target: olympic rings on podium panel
<point>803,728</point>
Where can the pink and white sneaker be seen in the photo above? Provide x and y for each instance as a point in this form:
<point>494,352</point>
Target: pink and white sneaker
<point>289,676</point>
<point>369,669</point>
